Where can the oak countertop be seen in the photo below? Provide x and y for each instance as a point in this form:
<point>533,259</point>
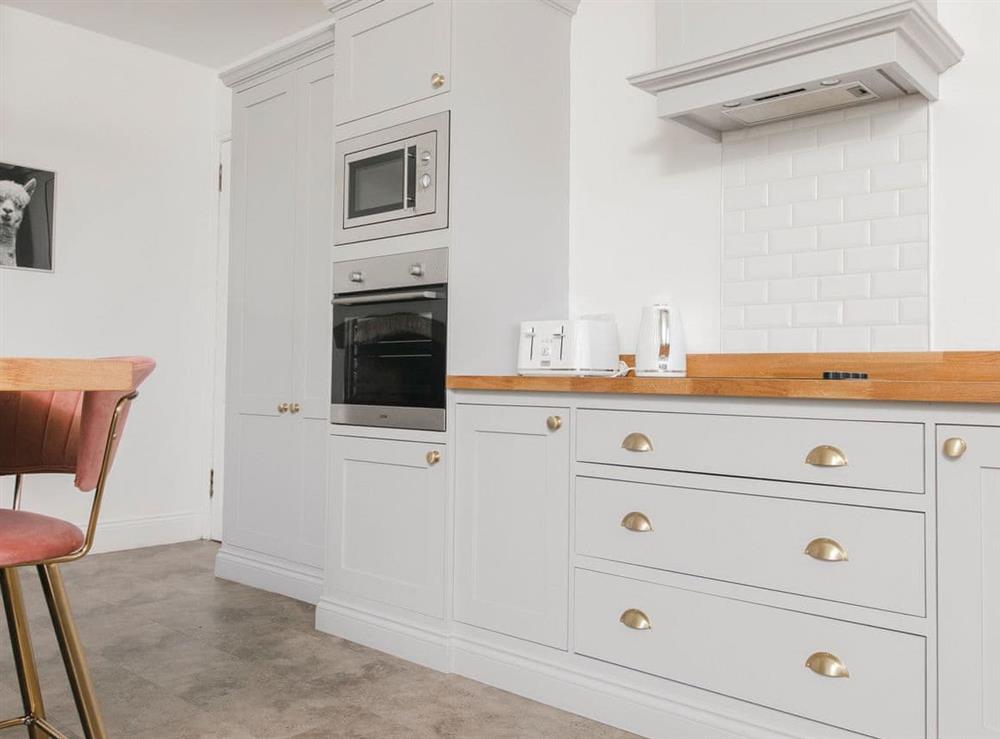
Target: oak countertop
<point>929,377</point>
<point>36,374</point>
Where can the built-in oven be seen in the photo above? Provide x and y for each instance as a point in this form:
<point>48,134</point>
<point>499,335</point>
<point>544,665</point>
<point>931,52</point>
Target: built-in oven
<point>393,181</point>
<point>390,321</point>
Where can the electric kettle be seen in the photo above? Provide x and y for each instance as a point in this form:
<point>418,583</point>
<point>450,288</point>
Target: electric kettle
<point>660,350</point>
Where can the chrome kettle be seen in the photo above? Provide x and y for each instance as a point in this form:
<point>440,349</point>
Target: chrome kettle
<point>660,349</point>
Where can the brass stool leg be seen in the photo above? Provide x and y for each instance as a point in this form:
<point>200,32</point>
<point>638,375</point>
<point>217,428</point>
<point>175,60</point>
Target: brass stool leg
<point>72,652</point>
<point>24,656</point>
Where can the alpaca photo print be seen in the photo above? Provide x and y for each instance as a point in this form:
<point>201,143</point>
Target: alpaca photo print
<point>26,208</point>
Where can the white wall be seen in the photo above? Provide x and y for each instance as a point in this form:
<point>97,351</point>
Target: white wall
<point>965,186</point>
<point>645,194</point>
<point>131,135</point>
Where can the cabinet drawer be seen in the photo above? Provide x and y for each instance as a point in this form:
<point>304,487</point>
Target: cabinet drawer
<point>871,454</point>
<point>758,541</point>
<point>756,653</point>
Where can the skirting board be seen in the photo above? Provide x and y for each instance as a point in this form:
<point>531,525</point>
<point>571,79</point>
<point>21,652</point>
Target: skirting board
<point>556,685</point>
<point>269,573</point>
<point>114,536</point>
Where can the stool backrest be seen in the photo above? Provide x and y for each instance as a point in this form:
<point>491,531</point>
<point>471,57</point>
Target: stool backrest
<point>64,431</point>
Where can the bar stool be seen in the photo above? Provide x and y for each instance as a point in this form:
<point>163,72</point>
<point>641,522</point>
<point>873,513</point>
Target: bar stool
<point>55,432</point>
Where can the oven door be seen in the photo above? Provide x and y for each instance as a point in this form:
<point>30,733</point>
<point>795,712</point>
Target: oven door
<point>389,358</point>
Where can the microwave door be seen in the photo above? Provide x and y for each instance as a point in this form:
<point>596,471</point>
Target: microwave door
<point>381,184</point>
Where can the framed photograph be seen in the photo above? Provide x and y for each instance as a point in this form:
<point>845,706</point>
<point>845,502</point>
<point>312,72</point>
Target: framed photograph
<point>27,198</point>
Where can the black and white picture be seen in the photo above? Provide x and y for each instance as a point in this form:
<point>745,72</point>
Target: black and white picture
<point>27,196</point>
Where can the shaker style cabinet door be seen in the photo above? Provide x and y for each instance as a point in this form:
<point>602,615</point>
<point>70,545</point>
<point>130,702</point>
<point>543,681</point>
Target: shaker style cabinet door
<point>512,520</point>
<point>968,472</point>
<point>391,54</point>
<point>387,522</point>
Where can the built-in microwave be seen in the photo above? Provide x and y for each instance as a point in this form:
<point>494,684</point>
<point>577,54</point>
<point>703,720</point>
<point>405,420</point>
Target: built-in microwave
<point>393,182</point>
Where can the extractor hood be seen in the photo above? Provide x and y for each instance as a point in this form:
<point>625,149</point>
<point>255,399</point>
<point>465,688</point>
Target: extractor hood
<point>896,50</point>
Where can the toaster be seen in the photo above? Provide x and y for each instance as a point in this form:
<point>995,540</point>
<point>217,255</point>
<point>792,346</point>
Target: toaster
<point>582,347</point>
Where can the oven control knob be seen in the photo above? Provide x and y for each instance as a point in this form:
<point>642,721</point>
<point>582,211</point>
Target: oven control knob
<point>425,181</point>
<point>417,270</point>
<point>356,277</point>
<point>425,157</point>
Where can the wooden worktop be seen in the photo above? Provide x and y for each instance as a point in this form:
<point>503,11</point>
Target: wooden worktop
<point>26,374</point>
<point>934,377</point>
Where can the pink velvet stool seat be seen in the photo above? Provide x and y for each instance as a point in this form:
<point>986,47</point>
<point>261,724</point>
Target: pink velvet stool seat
<point>69,433</point>
<point>26,538</point>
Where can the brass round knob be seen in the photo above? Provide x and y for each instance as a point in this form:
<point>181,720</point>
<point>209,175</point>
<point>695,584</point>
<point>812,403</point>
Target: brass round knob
<point>294,407</point>
<point>437,79</point>
<point>433,456</point>
<point>554,423</point>
<point>283,407</point>
<point>954,447</point>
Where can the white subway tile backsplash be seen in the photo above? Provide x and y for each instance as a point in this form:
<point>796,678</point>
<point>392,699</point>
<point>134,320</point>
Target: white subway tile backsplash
<point>818,314</point>
<point>766,169</point>
<point>818,212</point>
<point>791,191</point>
<point>791,340</point>
<point>765,268</point>
<point>914,310</point>
<point>897,230</point>
<point>843,183</point>
<point>841,287</point>
<point>818,263</point>
<point>825,231</point>
<point>794,140</point>
<point>899,284</point>
<point>871,259</point>
<point>767,316</point>
<point>744,341</point>
<point>913,256</point>
<point>871,205</point>
<point>743,245</point>
<point>741,198</point>
<point>818,162</point>
<point>913,201</point>
<point>843,339</point>
<point>899,176</point>
<point>868,153</point>
<point>792,239</point>
<point>843,234</point>
<point>848,130</point>
<point>899,338</point>
<point>791,291</point>
<point>768,219</point>
<point>871,312</point>
<point>744,293</point>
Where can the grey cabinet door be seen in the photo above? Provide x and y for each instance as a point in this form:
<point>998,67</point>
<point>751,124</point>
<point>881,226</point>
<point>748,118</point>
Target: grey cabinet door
<point>969,584</point>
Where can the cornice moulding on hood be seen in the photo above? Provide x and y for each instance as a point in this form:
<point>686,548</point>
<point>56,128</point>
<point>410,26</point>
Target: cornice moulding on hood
<point>903,38</point>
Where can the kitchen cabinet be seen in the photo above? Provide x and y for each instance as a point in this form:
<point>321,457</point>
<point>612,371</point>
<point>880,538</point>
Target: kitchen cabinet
<point>969,581</point>
<point>392,54</point>
<point>511,520</point>
<point>387,522</point>
<point>279,327</point>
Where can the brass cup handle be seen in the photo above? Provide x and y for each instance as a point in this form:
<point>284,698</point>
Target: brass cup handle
<point>826,550</point>
<point>954,447</point>
<point>283,407</point>
<point>636,619</point>
<point>294,407</point>
<point>636,442</point>
<point>827,665</point>
<point>437,79</point>
<point>826,455</point>
<point>554,423</point>
<point>638,522</point>
<point>433,457</point>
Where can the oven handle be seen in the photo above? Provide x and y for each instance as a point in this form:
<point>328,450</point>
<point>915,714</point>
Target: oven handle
<point>388,298</point>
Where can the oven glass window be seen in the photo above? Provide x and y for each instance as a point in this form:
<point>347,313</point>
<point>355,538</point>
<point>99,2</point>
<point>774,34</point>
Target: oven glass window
<point>391,353</point>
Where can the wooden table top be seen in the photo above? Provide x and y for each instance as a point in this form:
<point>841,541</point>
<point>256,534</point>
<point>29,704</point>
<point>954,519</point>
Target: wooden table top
<point>926,377</point>
<point>28,373</point>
